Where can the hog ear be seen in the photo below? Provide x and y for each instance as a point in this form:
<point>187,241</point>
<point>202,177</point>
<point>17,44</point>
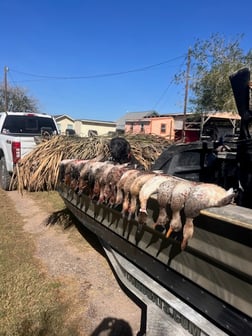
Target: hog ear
<point>228,198</point>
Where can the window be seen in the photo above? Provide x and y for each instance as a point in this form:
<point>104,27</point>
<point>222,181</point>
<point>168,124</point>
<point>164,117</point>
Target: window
<point>70,131</point>
<point>59,126</point>
<point>142,127</point>
<point>163,128</point>
<point>28,125</point>
<point>92,133</point>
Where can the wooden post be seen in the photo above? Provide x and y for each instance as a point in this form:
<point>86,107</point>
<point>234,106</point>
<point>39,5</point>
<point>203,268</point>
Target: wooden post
<point>5,88</point>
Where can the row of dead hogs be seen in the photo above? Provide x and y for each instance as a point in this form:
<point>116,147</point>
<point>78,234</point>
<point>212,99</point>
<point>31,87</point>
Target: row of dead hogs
<point>128,189</point>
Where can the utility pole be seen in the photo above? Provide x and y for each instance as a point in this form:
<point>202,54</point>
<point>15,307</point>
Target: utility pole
<point>6,69</point>
<point>186,92</point>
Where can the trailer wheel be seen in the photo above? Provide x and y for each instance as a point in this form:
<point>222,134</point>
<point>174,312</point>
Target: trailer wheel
<point>5,176</point>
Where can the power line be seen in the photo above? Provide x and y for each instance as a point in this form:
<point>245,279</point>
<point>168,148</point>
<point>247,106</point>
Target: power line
<point>12,80</point>
<point>110,74</point>
<point>163,94</point>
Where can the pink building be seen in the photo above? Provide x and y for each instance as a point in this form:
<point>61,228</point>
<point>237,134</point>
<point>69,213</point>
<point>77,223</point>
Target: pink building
<point>161,126</point>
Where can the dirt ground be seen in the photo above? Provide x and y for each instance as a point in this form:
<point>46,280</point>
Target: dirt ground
<point>97,301</point>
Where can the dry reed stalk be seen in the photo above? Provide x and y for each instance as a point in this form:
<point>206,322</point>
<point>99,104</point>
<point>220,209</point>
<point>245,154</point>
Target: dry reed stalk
<point>39,169</point>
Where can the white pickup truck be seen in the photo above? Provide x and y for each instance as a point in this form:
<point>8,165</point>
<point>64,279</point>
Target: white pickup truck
<point>19,134</point>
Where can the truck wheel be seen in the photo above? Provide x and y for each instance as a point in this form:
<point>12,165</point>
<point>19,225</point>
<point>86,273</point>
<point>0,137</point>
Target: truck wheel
<point>5,176</point>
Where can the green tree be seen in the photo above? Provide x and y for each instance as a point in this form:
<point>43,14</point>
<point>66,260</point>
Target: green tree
<point>17,100</point>
<point>212,61</point>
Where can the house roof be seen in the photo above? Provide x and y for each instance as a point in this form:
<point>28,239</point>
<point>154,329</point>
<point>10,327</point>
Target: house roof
<point>120,123</point>
<point>62,116</point>
<point>98,122</point>
<point>224,115</point>
<point>59,117</point>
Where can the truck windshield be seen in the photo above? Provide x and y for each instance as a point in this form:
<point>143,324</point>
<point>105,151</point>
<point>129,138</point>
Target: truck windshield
<point>33,125</point>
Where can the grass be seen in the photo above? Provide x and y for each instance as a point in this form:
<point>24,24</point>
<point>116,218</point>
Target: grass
<point>31,302</point>
<point>49,201</point>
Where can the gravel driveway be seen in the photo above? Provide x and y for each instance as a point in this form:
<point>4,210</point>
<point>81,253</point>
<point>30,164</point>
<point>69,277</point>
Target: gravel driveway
<point>98,302</point>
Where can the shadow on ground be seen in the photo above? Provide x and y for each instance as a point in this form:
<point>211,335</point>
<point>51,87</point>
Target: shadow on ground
<point>113,327</point>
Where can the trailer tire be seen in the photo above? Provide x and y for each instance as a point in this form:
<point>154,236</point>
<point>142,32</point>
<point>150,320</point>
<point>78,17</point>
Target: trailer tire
<point>5,176</point>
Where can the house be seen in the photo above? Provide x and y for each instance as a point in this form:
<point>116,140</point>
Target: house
<point>64,123</point>
<point>162,126</point>
<point>146,122</point>
<point>120,123</point>
<point>83,127</point>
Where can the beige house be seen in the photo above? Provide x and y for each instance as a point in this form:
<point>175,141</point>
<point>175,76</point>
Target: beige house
<point>84,127</point>
<point>64,123</point>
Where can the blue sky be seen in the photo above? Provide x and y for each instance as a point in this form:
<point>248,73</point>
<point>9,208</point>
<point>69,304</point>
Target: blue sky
<point>80,57</point>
